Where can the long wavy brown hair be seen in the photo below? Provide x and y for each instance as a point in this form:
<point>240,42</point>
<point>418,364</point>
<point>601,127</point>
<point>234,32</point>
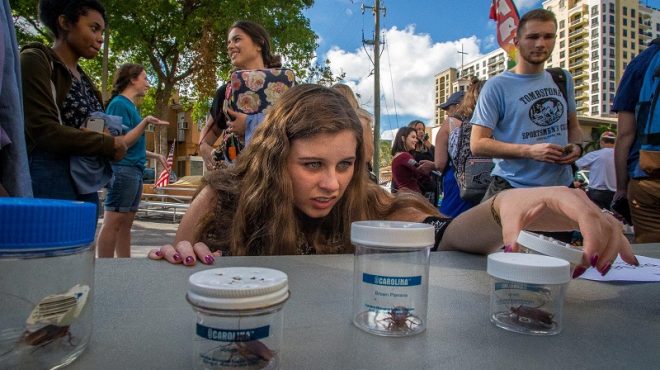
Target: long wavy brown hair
<point>466,108</point>
<point>255,213</point>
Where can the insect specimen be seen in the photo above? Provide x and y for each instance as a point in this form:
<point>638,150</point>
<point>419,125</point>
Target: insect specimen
<point>532,316</point>
<point>399,318</point>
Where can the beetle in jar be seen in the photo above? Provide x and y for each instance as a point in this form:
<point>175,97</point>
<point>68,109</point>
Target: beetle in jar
<point>399,318</point>
<point>532,316</point>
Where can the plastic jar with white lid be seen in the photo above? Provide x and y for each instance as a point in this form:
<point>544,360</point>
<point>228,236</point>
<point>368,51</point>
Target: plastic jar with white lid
<point>530,242</point>
<point>390,288</point>
<point>239,319</point>
<point>527,292</point>
<point>46,281</point>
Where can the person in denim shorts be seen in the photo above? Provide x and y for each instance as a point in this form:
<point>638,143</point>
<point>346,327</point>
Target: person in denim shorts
<point>125,188</point>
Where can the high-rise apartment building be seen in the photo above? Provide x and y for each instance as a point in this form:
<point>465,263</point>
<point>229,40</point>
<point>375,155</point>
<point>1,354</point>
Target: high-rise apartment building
<point>451,80</point>
<point>596,39</point>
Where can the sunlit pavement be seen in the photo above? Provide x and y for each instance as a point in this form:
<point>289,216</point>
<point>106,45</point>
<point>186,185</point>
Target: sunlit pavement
<point>148,233</point>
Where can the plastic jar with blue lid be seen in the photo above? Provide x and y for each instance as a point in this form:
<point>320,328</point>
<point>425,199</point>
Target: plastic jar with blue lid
<point>46,281</point>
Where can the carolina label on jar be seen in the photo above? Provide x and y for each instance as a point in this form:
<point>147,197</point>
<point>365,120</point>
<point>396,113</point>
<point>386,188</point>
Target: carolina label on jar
<point>225,335</point>
<point>389,291</point>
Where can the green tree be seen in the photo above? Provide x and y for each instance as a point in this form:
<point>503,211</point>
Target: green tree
<point>385,153</point>
<point>322,74</point>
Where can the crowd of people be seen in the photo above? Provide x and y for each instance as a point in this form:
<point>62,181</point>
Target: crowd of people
<point>300,174</point>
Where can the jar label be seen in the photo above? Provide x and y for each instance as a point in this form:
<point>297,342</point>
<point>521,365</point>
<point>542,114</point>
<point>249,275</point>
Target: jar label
<point>397,281</point>
<point>232,335</point>
<point>513,293</point>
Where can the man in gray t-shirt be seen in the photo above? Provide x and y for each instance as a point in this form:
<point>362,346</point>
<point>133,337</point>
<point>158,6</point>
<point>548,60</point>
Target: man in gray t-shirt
<point>523,120</point>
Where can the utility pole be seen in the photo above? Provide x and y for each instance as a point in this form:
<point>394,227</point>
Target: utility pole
<point>462,55</point>
<point>376,43</point>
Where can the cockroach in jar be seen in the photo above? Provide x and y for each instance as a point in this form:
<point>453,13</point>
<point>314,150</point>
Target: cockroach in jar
<point>532,316</point>
<point>399,318</point>
<point>254,349</point>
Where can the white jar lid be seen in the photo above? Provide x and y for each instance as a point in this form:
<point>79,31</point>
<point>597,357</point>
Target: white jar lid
<point>392,234</point>
<point>238,288</point>
<point>550,247</point>
<point>528,268</point>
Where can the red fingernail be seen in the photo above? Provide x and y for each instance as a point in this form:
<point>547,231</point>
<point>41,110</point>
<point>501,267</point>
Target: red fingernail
<point>507,248</point>
<point>159,253</point>
<point>176,257</point>
<point>189,260</point>
<point>209,259</point>
<point>594,260</point>
<point>606,269</point>
<point>636,262</point>
<point>579,270</point>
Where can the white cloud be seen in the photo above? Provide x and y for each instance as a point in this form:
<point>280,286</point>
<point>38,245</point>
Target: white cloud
<point>412,60</point>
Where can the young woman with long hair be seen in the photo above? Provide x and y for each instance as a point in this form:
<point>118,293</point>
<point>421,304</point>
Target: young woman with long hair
<point>407,173</point>
<point>302,181</point>
<point>58,98</point>
<point>249,47</point>
<point>125,188</point>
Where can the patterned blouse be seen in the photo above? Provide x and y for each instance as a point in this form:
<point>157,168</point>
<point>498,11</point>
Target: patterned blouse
<point>79,103</point>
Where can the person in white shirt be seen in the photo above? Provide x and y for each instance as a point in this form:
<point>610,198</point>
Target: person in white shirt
<point>602,175</point>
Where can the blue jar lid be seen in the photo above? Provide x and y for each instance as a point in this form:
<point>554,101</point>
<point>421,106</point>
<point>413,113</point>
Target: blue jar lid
<point>28,224</point>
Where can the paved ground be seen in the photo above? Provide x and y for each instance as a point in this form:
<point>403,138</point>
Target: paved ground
<point>149,232</point>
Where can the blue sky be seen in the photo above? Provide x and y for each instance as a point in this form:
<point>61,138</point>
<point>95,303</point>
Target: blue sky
<point>423,39</point>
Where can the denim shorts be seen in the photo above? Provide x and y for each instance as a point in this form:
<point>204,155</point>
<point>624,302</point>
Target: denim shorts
<point>124,190</point>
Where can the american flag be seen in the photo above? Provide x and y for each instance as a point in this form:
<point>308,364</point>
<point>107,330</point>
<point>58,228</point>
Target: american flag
<point>164,178</point>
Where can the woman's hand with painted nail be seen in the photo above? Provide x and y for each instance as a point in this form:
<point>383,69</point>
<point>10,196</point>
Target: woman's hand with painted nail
<point>184,253</point>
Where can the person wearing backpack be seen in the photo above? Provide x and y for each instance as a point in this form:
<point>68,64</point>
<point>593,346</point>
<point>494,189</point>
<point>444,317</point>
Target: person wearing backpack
<point>524,119</point>
<point>638,126</point>
<point>448,145</point>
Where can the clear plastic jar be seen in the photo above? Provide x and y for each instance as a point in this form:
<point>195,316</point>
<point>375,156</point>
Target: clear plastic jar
<point>46,281</point>
<point>530,242</point>
<point>390,288</point>
<point>238,313</point>
<point>527,292</point>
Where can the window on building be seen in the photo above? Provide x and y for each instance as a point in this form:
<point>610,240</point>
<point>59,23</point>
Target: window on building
<point>604,73</point>
<point>562,44</point>
<point>594,65</point>
<point>611,7</point>
<point>604,18</point>
<point>632,34</point>
<point>632,46</point>
<point>604,107</point>
<point>562,24</point>
<point>625,55</point>
<point>625,65</point>
<point>594,110</point>
<point>625,43</point>
<point>611,75</point>
<point>625,10</point>
<point>611,63</point>
<point>594,33</point>
<point>594,88</point>
<point>612,19</point>
<point>594,54</point>
<point>632,23</point>
<point>632,13</point>
<point>625,33</point>
<point>604,85</point>
<point>562,64</point>
<point>611,53</point>
<point>625,20</point>
<point>562,54</point>
<point>594,77</point>
<point>612,86</point>
<point>594,10</point>
<point>612,29</point>
<point>561,34</point>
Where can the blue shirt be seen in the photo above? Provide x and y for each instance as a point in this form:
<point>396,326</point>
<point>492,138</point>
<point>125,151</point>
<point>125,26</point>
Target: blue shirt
<point>627,96</point>
<point>137,153</point>
<point>527,109</point>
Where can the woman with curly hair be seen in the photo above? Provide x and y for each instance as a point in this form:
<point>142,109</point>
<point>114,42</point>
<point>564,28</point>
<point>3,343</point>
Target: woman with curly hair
<point>302,182</point>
